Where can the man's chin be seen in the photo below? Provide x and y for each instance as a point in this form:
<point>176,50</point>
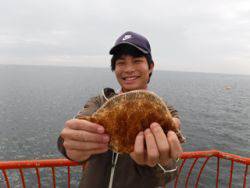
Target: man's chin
<point>130,88</point>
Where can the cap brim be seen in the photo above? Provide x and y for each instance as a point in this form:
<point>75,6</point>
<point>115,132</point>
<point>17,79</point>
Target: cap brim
<point>116,47</point>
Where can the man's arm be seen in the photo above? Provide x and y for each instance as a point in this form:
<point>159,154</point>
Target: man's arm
<point>160,149</point>
<point>80,138</point>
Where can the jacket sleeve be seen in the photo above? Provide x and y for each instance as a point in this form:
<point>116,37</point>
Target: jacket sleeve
<point>157,174</point>
<point>164,178</point>
<point>89,108</point>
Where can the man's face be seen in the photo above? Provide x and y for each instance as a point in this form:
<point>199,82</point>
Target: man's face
<point>132,72</point>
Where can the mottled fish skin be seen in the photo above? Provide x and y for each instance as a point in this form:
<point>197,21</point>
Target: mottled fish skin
<point>125,115</point>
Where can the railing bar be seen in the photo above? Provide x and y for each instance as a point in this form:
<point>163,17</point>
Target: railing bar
<point>53,176</point>
<point>200,172</point>
<point>65,162</point>
<point>218,172</point>
<point>22,177</point>
<point>6,179</point>
<point>38,178</point>
<point>179,172</point>
<point>6,165</point>
<point>68,176</point>
<point>245,177</point>
<point>43,163</point>
<point>189,173</point>
<point>231,174</point>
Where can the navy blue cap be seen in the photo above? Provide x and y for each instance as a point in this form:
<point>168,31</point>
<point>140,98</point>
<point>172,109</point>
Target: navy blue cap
<point>133,39</point>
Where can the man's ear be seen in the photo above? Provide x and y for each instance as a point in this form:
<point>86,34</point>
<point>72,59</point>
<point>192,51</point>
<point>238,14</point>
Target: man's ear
<point>151,67</point>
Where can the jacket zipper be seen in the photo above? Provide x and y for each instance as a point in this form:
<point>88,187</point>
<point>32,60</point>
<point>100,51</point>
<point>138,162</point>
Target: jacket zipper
<point>114,162</point>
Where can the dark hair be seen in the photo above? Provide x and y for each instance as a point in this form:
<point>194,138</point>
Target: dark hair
<point>134,52</point>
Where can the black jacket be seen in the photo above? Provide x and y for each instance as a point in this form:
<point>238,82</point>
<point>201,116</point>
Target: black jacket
<point>127,173</point>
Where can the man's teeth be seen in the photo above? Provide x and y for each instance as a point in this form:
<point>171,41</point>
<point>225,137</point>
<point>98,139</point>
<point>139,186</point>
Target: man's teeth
<point>130,78</point>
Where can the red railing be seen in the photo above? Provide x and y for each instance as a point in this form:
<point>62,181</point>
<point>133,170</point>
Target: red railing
<point>206,155</point>
<point>186,156</point>
<point>36,164</point>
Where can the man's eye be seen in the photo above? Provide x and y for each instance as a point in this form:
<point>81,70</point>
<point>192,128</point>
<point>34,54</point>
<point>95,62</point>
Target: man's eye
<point>138,61</point>
<point>119,62</point>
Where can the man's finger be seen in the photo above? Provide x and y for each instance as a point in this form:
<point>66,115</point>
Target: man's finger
<point>83,146</point>
<point>96,151</point>
<point>79,124</point>
<point>84,136</point>
<point>152,150</point>
<point>175,146</point>
<point>139,151</point>
<point>161,141</point>
<point>77,154</point>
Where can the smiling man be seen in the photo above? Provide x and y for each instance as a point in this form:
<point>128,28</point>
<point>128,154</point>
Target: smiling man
<point>153,161</point>
<point>132,72</point>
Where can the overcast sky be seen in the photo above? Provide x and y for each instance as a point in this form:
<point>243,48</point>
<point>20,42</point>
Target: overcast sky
<point>203,36</point>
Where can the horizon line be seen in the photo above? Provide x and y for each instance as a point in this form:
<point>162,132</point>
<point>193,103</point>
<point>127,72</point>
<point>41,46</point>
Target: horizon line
<point>105,67</point>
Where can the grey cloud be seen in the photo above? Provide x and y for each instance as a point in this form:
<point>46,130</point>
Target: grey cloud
<point>191,32</point>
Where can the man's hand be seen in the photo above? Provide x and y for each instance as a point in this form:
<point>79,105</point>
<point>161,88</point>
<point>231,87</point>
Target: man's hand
<point>83,139</point>
<point>152,146</point>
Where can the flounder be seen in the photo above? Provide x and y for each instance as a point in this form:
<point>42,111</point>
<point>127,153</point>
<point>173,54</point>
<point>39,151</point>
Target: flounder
<point>123,116</point>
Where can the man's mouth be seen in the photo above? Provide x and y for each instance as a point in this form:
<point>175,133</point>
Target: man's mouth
<point>130,78</point>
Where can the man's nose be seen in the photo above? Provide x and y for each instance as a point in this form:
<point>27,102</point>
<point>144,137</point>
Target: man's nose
<point>129,67</point>
<point>129,64</point>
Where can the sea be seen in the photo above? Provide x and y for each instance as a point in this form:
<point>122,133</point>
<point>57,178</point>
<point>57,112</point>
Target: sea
<point>35,102</point>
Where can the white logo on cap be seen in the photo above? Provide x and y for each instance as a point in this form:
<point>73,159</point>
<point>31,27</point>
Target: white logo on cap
<point>126,37</point>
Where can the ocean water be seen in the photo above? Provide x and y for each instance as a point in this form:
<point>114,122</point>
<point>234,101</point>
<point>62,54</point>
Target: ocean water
<point>35,101</point>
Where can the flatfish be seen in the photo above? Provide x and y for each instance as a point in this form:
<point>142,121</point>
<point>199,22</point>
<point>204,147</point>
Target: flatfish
<point>123,116</point>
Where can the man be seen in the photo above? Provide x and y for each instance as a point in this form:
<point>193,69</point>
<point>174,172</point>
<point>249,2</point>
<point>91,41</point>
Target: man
<point>153,161</point>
